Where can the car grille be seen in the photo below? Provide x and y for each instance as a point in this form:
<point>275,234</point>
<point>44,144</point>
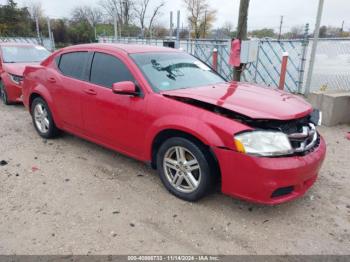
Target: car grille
<point>301,132</point>
<point>304,141</point>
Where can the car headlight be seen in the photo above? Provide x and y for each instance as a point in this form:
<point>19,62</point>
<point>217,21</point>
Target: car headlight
<point>263,143</point>
<point>16,79</point>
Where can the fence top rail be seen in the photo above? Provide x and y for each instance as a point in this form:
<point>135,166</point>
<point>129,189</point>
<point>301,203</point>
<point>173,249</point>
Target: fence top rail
<point>164,39</point>
<point>220,41</point>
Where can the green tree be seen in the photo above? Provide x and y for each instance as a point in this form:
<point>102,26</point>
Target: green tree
<point>80,32</point>
<point>323,31</point>
<point>265,32</point>
<point>60,31</point>
<point>15,21</point>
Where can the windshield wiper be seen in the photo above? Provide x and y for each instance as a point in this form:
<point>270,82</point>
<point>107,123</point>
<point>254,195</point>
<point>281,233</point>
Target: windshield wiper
<point>173,69</point>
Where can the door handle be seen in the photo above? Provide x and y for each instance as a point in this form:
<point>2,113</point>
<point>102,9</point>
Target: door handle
<point>90,92</point>
<point>51,79</point>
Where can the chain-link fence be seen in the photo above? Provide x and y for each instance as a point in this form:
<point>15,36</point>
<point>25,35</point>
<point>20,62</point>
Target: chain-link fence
<point>267,67</point>
<point>332,65</point>
<point>331,71</point>
<point>46,42</point>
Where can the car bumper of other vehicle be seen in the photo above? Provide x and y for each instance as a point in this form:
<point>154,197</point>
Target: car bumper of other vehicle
<point>268,180</point>
<point>13,91</point>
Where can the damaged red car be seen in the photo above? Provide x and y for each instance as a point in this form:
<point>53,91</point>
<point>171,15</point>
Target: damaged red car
<point>14,57</point>
<point>169,109</point>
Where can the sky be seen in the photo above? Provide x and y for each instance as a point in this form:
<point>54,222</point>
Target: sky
<point>262,13</point>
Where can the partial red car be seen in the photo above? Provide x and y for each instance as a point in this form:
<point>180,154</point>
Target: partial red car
<point>14,57</point>
<point>169,109</point>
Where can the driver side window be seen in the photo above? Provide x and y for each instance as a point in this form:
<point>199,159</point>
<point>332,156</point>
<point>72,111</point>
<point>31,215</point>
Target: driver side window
<point>107,70</point>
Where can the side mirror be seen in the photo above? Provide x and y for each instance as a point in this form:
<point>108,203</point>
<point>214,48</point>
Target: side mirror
<point>124,88</point>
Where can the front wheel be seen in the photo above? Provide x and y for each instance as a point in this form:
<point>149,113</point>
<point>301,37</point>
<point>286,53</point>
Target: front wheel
<point>42,119</point>
<point>184,168</point>
<point>3,94</point>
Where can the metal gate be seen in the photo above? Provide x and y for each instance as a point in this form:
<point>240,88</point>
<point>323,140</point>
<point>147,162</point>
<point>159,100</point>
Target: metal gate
<point>266,70</point>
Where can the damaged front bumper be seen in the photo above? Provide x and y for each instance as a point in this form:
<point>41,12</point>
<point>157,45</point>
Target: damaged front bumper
<point>268,180</point>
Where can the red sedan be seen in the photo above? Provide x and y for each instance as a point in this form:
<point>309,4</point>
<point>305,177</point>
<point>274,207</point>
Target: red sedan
<point>165,107</point>
<point>14,57</point>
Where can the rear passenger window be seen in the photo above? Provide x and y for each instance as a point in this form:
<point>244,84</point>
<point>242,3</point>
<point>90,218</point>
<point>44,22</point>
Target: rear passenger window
<point>107,70</point>
<point>73,64</point>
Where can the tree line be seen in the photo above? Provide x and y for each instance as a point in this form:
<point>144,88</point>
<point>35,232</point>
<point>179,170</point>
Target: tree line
<point>134,18</point>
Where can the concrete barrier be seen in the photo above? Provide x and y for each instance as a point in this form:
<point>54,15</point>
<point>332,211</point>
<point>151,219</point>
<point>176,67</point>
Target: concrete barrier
<point>335,106</point>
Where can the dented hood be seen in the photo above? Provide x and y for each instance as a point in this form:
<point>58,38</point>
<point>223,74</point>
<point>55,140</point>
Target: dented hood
<point>250,100</point>
<point>16,68</point>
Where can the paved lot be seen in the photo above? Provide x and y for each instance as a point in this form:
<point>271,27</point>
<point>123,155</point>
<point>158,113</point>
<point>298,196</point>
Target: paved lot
<point>68,196</point>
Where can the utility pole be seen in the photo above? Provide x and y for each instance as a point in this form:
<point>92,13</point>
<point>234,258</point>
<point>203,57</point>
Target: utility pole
<point>280,32</point>
<point>115,26</point>
<point>205,25</point>
<point>314,47</point>
<point>50,34</point>
<point>178,30</point>
<point>303,58</point>
<point>342,26</point>
<point>38,29</point>
<point>241,32</point>
<point>171,25</point>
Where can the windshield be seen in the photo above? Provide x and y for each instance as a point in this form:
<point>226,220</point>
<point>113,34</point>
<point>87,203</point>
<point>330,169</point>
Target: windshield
<point>23,54</point>
<point>171,71</point>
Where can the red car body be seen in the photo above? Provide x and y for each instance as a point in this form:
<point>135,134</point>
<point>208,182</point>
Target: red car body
<point>133,125</point>
<point>13,89</point>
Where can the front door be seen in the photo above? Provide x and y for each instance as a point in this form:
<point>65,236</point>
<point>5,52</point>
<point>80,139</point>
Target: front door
<point>107,115</point>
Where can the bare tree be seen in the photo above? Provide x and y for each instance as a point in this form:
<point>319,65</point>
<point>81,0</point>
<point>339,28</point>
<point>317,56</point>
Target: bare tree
<point>122,9</point>
<point>91,15</point>
<point>201,16</point>
<point>127,8</point>
<point>36,12</point>
<point>35,9</point>
<point>141,9</point>
<point>111,7</point>
<point>297,32</point>
<point>156,12</point>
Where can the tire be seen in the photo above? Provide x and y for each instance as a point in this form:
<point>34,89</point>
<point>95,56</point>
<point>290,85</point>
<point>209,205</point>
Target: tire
<point>3,94</point>
<point>174,171</point>
<point>42,119</point>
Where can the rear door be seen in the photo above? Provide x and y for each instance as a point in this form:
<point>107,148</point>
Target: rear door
<point>70,83</point>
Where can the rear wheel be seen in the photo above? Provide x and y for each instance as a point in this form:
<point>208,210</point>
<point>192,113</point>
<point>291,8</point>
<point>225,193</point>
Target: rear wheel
<point>42,119</point>
<point>3,94</point>
<point>184,168</point>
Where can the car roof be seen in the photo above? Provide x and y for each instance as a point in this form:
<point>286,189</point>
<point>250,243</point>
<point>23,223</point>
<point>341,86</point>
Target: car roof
<point>16,44</point>
<point>127,48</point>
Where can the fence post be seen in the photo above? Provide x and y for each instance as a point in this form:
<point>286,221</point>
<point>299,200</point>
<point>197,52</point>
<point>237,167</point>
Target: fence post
<point>283,71</point>
<point>305,45</point>
<point>314,47</point>
<point>215,59</point>
<point>257,61</point>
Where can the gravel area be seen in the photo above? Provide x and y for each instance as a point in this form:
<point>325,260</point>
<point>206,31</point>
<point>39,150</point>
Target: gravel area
<point>69,196</point>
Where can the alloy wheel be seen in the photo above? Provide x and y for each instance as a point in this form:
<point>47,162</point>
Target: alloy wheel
<point>182,169</point>
<point>41,118</point>
<point>3,93</point>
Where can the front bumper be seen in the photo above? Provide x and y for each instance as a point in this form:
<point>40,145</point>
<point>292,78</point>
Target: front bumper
<point>13,91</point>
<point>268,180</point>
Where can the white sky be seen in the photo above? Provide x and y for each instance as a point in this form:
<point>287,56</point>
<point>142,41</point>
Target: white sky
<point>262,13</point>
